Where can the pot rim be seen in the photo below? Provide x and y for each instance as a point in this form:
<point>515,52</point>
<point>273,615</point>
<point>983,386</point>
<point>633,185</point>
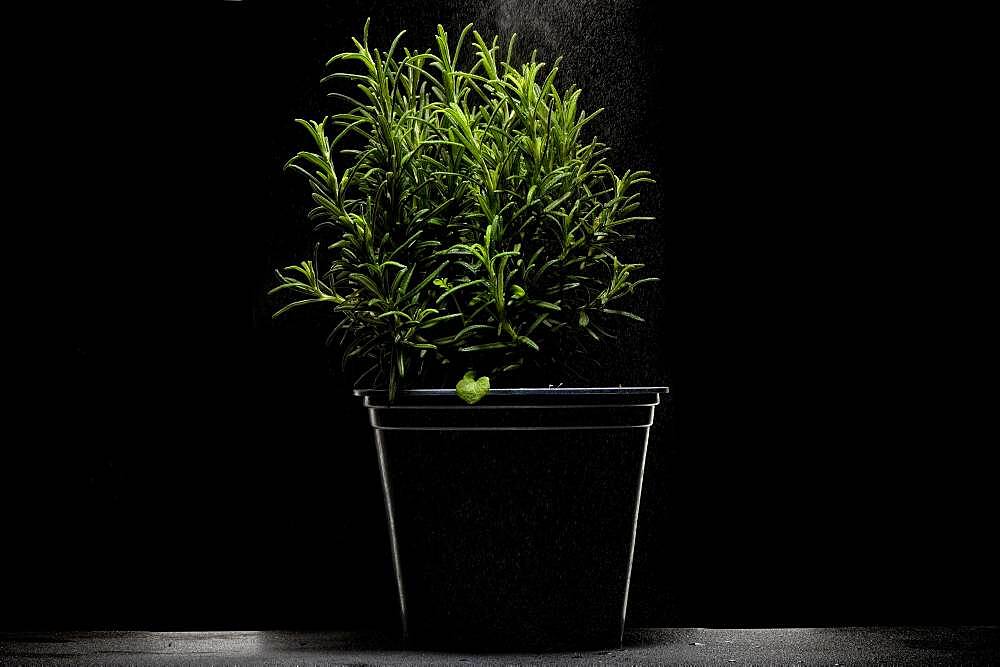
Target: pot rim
<point>526,391</point>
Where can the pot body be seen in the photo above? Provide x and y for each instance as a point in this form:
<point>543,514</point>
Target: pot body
<point>513,521</point>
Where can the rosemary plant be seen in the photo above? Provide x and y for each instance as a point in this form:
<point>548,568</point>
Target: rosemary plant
<point>473,227</point>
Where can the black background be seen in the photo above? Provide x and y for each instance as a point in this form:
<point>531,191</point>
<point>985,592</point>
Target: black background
<point>176,460</point>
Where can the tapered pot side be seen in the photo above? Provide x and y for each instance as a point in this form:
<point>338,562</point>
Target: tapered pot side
<point>512,522</point>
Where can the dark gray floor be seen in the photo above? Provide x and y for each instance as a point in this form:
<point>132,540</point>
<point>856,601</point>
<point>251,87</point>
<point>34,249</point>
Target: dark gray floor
<point>651,646</point>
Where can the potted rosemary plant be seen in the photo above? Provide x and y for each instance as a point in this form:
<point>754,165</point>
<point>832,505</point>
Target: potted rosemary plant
<point>471,237</point>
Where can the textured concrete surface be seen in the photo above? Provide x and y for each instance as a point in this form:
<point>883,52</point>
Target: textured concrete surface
<point>651,646</point>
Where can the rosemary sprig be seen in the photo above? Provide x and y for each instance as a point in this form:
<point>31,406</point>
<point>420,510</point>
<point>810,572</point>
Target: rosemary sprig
<point>473,224</point>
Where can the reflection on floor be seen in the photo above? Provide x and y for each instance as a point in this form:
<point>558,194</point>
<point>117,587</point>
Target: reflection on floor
<point>649,646</point>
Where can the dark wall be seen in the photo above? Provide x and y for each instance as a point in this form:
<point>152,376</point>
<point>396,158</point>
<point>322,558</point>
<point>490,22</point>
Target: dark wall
<point>180,461</point>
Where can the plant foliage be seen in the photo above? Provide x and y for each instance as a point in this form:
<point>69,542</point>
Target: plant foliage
<point>472,223</point>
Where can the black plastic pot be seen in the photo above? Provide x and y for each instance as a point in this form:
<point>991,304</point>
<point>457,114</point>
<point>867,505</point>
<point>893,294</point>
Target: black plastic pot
<point>513,521</point>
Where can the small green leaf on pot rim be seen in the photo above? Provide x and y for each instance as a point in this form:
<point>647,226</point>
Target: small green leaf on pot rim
<point>472,390</point>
